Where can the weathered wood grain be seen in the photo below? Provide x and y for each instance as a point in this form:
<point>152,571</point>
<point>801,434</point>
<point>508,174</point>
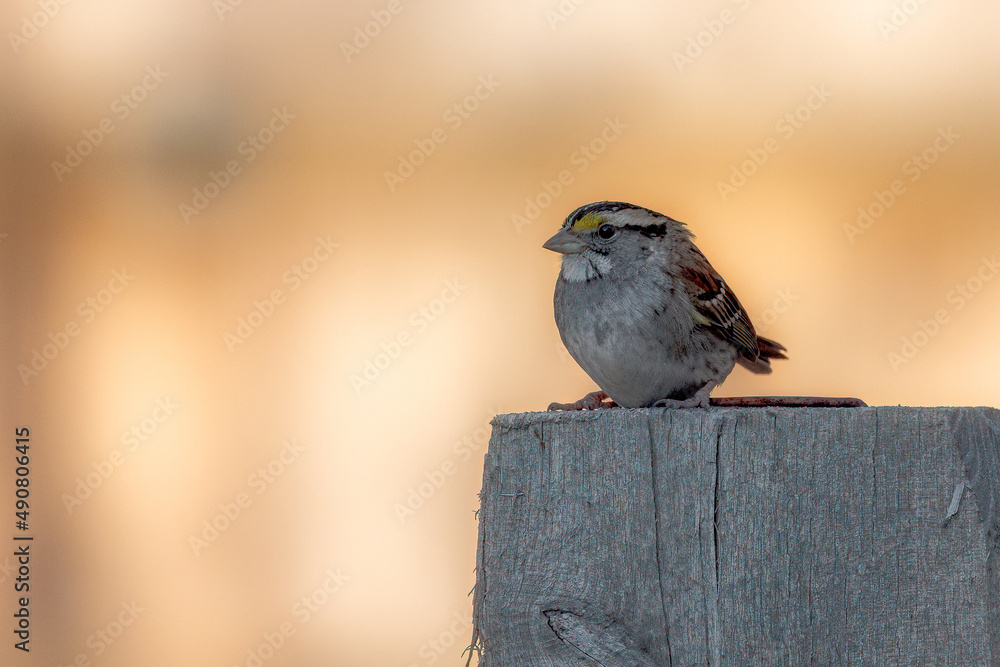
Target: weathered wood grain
<point>741,536</point>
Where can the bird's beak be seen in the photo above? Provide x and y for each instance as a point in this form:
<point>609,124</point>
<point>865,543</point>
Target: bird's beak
<point>564,242</point>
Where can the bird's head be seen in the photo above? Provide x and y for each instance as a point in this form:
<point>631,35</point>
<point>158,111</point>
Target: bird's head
<point>612,238</point>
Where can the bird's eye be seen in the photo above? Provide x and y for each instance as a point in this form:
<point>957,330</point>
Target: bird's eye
<point>606,231</point>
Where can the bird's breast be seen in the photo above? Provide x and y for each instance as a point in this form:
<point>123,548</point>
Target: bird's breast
<point>634,343</point>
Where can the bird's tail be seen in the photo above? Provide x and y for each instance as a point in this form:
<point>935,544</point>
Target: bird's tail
<point>767,349</point>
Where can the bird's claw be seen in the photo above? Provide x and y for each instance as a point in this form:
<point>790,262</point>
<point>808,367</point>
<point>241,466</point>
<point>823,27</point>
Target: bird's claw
<point>592,401</point>
<point>698,400</point>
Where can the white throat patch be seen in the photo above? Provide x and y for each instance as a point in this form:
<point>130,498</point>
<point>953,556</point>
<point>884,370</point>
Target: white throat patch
<point>582,266</point>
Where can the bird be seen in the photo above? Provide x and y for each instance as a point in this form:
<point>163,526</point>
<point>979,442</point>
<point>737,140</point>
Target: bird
<point>644,313</point>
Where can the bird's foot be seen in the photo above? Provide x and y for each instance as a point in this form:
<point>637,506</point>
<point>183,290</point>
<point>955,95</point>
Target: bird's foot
<point>699,400</point>
<point>592,401</point>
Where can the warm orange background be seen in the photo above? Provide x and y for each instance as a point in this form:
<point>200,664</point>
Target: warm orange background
<point>436,287</point>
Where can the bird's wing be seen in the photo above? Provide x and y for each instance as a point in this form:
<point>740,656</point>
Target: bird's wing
<point>717,307</point>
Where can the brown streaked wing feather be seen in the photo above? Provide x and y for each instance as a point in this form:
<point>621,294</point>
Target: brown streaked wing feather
<point>770,349</point>
<point>767,349</point>
<point>715,301</point>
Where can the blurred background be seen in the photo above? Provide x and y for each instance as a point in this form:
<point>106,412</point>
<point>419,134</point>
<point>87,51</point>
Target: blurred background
<point>270,269</point>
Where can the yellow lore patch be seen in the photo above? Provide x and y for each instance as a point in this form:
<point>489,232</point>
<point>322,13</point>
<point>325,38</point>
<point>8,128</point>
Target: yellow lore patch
<point>589,221</point>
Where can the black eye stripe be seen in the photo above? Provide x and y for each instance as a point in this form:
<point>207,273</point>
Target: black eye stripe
<point>652,231</point>
<point>649,231</point>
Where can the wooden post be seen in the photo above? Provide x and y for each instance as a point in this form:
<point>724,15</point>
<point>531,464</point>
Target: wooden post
<point>741,536</point>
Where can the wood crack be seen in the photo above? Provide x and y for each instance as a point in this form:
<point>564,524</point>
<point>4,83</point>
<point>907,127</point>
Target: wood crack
<point>656,528</point>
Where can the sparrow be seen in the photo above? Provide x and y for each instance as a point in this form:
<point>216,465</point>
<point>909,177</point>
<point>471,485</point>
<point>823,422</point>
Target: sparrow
<point>645,314</point>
